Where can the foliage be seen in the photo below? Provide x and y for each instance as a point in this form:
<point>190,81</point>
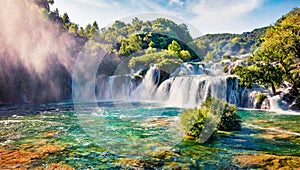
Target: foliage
<point>131,45</point>
<point>185,55</point>
<point>233,59</point>
<point>164,60</point>
<point>260,98</point>
<point>279,56</point>
<point>225,68</point>
<point>159,41</point>
<point>230,120</point>
<point>226,57</point>
<point>174,47</point>
<point>193,120</point>
<point>232,44</point>
<point>120,30</point>
<point>261,73</point>
<point>209,57</point>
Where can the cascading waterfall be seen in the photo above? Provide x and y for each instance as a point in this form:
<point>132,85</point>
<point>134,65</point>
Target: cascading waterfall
<point>186,91</point>
<point>188,69</point>
<point>187,87</point>
<point>146,90</point>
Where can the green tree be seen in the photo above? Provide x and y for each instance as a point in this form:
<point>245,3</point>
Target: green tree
<point>131,45</point>
<point>185,55</point>
<point>95,26</point>
<point>89,30</point>
<point>56,12</point>
<point>209,56</point>
<point>193,120</point>
<point>81,31</point>
<point>65,20</point>
<point>174,47</point>
<point>118,25</point>
<point>73,28</point>
<point>151,44</point>
<point>278,57</point>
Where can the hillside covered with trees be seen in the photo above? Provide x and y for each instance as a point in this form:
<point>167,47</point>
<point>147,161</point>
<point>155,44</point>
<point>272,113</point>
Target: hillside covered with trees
<point>141,43</point>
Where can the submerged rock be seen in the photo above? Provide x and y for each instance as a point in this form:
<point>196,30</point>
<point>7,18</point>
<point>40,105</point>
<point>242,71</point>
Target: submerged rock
<point>133,163</point>
<point>267,161</point>
<point>55,166</point>
<point>26,155</point>
<point>277,136</point>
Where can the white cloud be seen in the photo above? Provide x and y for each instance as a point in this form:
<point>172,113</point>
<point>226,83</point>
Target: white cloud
<point>209,16</point>
<point>99,3</point>
<point>176,2</point>
<point>149,6</point>
<point>222,15</point>
<point>220,10</point>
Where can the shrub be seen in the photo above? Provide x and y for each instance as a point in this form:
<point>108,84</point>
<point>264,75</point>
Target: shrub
<point>192,120</point>
<point>164,60</point>
<point>226,57</point>
<point>225,68</point>
<point>260,98</point>
<point>233,59</point>
<point>230,120</point>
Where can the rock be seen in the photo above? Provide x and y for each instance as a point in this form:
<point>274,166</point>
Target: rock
<point>26,155</point>
<point>55,166</point>
<point>292,101</point>
<point>265,104</point>
<point>137,78</point>
<point>131,162</point>
<point>277,136</point>
<point>266,161</point>
<point>162,154</point>
<point>50,133</point>
<point>295,107</point>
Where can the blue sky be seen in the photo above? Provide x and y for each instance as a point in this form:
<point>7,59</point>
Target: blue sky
<point>207,16</point>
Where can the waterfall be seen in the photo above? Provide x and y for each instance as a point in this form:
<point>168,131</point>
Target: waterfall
<point>189,69</point>
<point>102,88</point>
<point>188,89</point>
<point>120,87</point>
<point>146,90</point>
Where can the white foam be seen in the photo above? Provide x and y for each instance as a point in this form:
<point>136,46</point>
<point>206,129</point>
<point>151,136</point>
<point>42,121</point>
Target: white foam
<point>272,129</point>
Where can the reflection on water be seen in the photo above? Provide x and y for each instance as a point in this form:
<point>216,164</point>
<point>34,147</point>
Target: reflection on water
<point>145,136</point>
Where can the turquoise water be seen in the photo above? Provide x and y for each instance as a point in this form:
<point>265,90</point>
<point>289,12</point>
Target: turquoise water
<point>145,136</point>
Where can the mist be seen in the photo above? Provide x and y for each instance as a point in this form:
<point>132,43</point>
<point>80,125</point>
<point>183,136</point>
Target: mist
<point>36,55</point>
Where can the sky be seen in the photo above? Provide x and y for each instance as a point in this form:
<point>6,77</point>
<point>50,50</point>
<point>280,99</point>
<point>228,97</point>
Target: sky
<point>202,16</point>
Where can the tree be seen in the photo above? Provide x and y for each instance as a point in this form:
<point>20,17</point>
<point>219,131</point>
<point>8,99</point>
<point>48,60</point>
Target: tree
<point>193,120</point>
<point>278,58</point>
<point>174,47</point>
<point>185,55</point>
<point>118,25</point>
<point>80,31</point>
<point>73,28</point>
<point>209,57</point>
<point>131,45</point>
<point>88,30</point>
<point>151,44</point>
<point>95,26</point>
<point>66,20</point>
<point>56,12</point>
<point>51,2</point>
